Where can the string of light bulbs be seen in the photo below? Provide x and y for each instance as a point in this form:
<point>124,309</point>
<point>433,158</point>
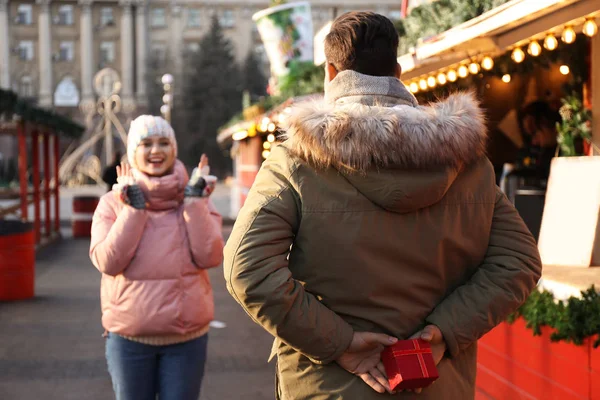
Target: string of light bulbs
<point>532,47</point>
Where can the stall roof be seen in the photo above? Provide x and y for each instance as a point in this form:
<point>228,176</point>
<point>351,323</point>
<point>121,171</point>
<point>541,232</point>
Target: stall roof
<point>225,136</point>
<point>11,105</point>
<point>494,31</point>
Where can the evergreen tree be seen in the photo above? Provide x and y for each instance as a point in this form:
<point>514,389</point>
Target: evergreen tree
<point>254,79</point>
<point>435,17</point>
<point>211,95</point>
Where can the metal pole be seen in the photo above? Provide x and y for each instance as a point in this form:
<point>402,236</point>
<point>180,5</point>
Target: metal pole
<point>23,169</point>
<point>47,177</point>
<point>108,140</point>
<point>56,183</point>
<point>35,160</point>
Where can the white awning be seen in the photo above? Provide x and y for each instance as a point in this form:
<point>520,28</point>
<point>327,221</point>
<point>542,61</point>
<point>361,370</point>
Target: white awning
<point>494,32</point>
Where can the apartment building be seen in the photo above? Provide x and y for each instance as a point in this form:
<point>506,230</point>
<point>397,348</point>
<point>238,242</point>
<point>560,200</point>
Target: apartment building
<point>51,50</point>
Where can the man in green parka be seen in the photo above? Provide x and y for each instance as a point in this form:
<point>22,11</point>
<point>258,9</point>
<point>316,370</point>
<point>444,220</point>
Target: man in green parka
<point>377,219</point>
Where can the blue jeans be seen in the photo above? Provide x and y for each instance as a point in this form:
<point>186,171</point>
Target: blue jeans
<point>140,371</point>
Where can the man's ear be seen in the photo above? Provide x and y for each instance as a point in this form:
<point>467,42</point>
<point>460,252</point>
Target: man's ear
<point>331,72</point>
<point>398,73</point>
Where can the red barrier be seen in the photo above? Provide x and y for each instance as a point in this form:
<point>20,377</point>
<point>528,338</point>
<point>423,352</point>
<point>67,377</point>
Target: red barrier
<point>83,211</point>
<point>17,260</point>
<point>513,364</point>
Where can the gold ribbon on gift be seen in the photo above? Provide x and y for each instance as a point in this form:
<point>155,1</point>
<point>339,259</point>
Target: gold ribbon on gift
<point>418,351</point>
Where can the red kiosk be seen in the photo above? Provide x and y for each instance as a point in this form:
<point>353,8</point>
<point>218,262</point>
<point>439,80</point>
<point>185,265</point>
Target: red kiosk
<point>20,236</point>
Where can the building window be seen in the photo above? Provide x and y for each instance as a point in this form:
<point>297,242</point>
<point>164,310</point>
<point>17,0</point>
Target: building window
<point>107,52</point>
<point>106,16</point>
<point>66,51</point>
<point>158,17</point>
<point>65,15</point>
<point>194,18</point>
<point>26,86</point>
<point>24,13</point>
<point>227,19</point>
<point>25,50</point>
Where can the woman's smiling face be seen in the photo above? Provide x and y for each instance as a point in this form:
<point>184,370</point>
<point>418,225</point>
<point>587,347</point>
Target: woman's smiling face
<point>155,156</point>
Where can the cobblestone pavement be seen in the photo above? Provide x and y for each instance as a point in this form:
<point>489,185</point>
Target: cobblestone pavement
<point>51,346</point>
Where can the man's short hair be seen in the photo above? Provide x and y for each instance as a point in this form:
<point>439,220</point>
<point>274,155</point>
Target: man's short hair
<point>364,42</point>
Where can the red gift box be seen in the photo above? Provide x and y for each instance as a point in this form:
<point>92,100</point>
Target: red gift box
<point>409,364</point>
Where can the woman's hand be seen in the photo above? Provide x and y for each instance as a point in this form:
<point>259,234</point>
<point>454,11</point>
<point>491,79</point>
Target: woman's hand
<point>201,184</point>
<point>128,191</point>
<point>124,174</point>
<point>203,165</point>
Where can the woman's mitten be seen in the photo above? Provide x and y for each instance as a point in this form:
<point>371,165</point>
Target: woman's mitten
<point>130,193</point>
<point>136,197</point>
<point>196,186</point>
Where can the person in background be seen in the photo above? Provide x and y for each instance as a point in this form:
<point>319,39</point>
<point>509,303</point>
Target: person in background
<point>538,124</point>
<point>110,172</point>
<point>377,219</point>
<point>153,238</point>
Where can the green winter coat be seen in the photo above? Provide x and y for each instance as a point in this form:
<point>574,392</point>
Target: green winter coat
<point>379,219</point>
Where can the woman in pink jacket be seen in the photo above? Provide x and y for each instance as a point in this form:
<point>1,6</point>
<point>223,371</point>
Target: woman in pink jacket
<point>153,237</point>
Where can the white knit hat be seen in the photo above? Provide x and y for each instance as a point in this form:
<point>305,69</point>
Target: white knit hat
<point>145,126</point>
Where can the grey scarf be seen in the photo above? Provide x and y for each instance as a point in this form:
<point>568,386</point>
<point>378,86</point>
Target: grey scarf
<point>353,87</point>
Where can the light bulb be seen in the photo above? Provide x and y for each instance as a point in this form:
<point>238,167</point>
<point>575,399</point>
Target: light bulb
<point>534,49</point>
<point>506,78</point>
<point>452,76</point>
<point>569,35</point>
<point>431,82</point>
<point>518,55</point>
<point>414,87</point>
<point>266,145</point>
<point>550,42</point>
<point>474,68</point>
<point>167,79</point>
<point>564,69</point>
<point>487,63</point>
<point>266,153</point>
<point>240,135</point>
<point>463,71</point>
<point>590,28</point>
<point>271,137</point>
<point>423,84</point>
<point>441,78</point>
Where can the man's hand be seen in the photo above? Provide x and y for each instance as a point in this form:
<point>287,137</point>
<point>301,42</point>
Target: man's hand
<point>377,379</point>
<point>433,335</point>
<point>363,358</point>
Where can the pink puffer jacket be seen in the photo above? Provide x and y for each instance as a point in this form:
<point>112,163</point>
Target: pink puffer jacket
<point>153,261</point>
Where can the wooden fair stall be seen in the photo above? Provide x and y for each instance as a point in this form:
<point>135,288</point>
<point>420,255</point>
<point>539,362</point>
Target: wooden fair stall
<point>251,142</point>
<point>20,233</point>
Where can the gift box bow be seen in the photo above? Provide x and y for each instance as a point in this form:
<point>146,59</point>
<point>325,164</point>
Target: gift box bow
<point>417,372</point>
<point>418,351</point>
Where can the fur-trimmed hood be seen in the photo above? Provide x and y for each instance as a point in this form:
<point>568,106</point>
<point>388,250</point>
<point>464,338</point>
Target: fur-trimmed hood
<point>402,157</point>
<point>358,137</point>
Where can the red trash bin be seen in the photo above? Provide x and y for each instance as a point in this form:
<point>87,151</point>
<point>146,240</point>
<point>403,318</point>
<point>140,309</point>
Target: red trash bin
<point>83,211</point>
<point>17,260</point>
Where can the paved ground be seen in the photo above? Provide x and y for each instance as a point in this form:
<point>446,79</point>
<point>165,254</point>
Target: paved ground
<point>51,346</point>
